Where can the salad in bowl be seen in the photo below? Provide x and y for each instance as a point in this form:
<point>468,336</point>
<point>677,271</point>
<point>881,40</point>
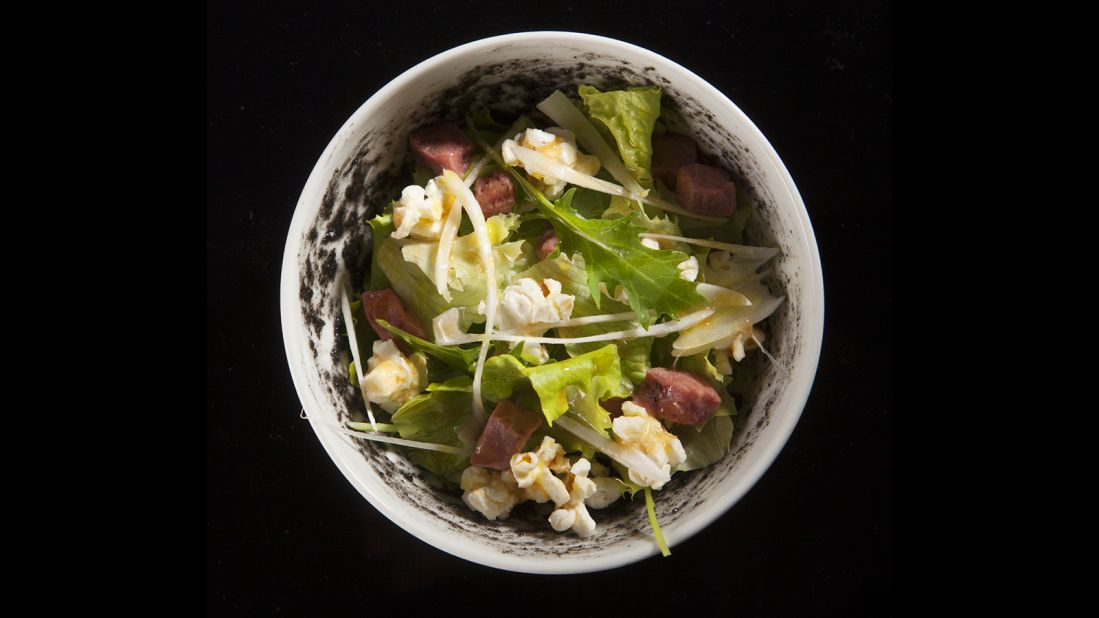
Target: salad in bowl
<point>484,271</point>
<point>555,307</point>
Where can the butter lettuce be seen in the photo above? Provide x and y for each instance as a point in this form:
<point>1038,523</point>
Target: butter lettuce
<point>381,227</point>
<point>412,284</point>
<point>409,266</point>
<point>705,446</point>
<point>629,115</point>
<point>434,417</point>
<point>466,271</point>
<point>578,383</point>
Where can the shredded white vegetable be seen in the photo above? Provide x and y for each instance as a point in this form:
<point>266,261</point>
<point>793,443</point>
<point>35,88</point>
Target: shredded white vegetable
<point>354,341</point>
<point>785,370</point>
<point>484,246</point>
<point>630,457</point>
<point>658,330</point>
<point>450,230</point>
<point>760,253</point>
<point>591,319</point>
<point>380,437</point>
<point>722,297</point>
<point>764,308</point>
<point>442,252</point>
<point>538,163</point>
<point>560,110</point>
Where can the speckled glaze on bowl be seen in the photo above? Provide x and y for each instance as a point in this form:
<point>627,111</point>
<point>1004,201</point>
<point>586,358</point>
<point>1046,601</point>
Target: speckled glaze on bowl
<point>368,162</point>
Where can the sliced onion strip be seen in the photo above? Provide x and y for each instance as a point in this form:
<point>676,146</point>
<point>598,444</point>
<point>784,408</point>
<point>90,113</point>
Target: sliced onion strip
<point>631,458</point>
<point>760,253</point>
<point>560,110</point>
<point>658,330</point>
<point>442,252</point>
<point>454,185</point>
<point>349,322</point>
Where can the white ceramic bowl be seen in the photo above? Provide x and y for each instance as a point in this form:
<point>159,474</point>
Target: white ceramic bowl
<point>367,163</point>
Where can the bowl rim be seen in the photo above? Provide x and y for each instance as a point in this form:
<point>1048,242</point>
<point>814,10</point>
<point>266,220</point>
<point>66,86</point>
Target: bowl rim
<point>706,512</point>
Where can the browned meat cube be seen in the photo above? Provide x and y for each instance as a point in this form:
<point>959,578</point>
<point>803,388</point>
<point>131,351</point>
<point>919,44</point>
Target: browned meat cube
<point>705,190</point>
<point>547,244</point>
<point>442,146</point>
<point>677,396</point>
<point>507,430</point>
<point>386,305</point>
<point>495,193</point>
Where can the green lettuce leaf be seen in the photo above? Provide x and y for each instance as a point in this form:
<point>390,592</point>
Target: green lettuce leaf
<point>457,384</point>
<point>629,115</point>
<point>445,465</point>
<point>407,264</point>
<point>613,254</point>
<point>633,353</point>
<point>410,283</point>
<point>453,356</point>
<point>434,417</point>
<point>364,335</point>
<point>466,275</point>
<point>578,384</point>
<point>654,221</point>
<point>705,446</point>
<point>660,542</point>
<point>591,204</point>
<point>381,227</point>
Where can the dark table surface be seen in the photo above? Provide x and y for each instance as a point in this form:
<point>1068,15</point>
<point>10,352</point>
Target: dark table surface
<point>286,533</point>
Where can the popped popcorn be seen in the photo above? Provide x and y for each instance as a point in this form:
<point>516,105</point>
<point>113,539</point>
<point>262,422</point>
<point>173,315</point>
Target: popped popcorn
<point>533,472</point>
<point>636,429</point>
<point>421,211</point>
<point>555,143</point>
<point>489,492</point>
<point>573,514</point>
<point>688,269</point>
<point>525,304</point>
<point>392,379</point>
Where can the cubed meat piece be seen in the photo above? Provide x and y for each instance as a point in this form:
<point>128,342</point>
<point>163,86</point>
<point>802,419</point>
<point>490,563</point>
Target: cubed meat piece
<point>495,193</point>
<point>442,146</point>
<point>705,190</point>
<point>613,405</point>
<point>547,244</point>
<point>672,151</point>
<point>507,430</point>
<point>677,396</point>
<point>386,305</point>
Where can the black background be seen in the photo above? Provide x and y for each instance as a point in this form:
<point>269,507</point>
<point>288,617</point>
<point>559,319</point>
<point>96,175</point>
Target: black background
<point>286,533</point>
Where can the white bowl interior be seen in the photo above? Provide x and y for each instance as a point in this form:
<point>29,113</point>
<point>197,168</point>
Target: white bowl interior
<point>368,162</point>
